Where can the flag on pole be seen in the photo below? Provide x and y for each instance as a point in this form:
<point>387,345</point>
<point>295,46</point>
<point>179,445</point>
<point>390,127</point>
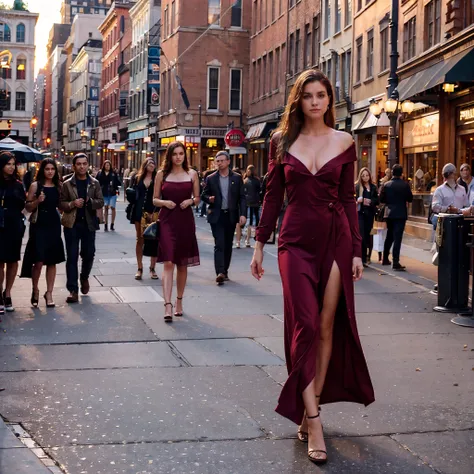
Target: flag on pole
<point>182,91</point>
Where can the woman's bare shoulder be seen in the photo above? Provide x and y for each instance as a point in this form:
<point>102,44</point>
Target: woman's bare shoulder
<point>344,138</point>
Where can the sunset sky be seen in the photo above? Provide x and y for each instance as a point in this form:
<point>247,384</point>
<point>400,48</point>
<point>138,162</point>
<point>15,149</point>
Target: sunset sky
<point>49,11</point>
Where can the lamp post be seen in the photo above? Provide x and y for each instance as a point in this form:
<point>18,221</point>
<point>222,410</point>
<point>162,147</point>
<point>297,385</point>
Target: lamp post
<point>33,124</point>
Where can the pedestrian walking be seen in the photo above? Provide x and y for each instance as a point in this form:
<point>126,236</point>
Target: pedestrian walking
<point>319,256</point>
<point>176,192</point>
<point>238,227</point>
<point>110,184</point>
<point>143,213</point>
<point>466,181</point>
<point>81,197</point>
<point>395,194</point>
<point>12,227</point>
<point>224,194</point>
<point>367,202</point>
<point>252,188</point>
<point>45,246</point>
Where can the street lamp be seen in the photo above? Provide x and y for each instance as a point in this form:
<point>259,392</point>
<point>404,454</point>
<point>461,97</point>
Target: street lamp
<point>33,124</point>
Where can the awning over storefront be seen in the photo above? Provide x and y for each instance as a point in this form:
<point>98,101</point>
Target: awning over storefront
<point>116,146</point>
<point>369,121</point>
<point>255,131</point>
<point>236,150</point>
<point>457,68</point>
<point>137,135</point>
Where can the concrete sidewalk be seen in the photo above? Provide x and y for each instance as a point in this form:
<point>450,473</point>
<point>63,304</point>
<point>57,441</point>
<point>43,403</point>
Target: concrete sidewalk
<point>106,387</point>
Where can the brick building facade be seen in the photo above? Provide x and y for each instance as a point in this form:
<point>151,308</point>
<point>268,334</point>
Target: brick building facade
<point>205,46</point>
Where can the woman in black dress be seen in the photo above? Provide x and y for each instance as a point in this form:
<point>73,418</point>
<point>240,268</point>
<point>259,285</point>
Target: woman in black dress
<point>367,202</point>
<point>110,184</point>
<point>45,246</point>
<point>12,226</point>
<point>144,213</point>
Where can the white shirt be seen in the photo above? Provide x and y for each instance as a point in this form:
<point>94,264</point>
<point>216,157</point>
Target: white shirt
<point>446,196</point>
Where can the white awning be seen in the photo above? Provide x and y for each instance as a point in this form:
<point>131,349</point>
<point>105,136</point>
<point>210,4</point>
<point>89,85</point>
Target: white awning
<point>116,146</point>
<point>237,150</point>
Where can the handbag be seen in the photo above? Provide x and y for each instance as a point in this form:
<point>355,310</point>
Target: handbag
<point>131,194</point>
<point>152,232</point>
<point>380,213</point>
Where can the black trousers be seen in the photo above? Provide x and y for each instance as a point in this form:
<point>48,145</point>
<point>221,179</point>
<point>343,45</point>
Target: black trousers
<point>395,229</point>
<point>79,235</point>
<point>366,222</point>
<point>223,232</point>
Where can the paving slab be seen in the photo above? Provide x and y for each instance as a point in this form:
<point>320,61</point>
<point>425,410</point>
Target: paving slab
<point>206,326</point>
<point>375,282</point>
<point>273,344</point>
<point>422,302</point>
<point>21,461</point>
<point>450,452</point>
<point>217,352</point>
<point>140,294</point>
<point>143,405</point>
<point>379,455</point>
<point>88,356</point>
<point>7,438</point>
<point>127,280</point>
<point>74,324</point>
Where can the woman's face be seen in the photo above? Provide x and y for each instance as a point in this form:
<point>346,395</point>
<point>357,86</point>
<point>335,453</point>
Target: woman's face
<point>365,177</point>
<point>9,168</point>
<point>315,100</point>
<point>49,171</point>
<point>178,156</point>
<point>465,173</point>
<point>151,166</point>
<point>107,167</point>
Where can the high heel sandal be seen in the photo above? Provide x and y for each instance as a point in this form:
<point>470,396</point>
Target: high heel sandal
<point>51,304</point>
<point>178,313</point>
<point>139,274</point>
<point>153,274</point>
<point>314,451</point>
<point>35,298</point>
<point>303,435</point>
<point>168,318</point>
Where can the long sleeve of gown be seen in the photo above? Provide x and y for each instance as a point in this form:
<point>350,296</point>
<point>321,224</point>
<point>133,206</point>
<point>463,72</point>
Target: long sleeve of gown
<point>347,198</point>
<point>273,200</point>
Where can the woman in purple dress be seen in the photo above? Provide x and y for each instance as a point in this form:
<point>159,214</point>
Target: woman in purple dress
<point>176,192</point>
<point>319,256</point>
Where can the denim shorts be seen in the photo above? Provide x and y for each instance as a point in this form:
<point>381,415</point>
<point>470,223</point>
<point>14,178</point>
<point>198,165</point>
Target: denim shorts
<point>110,201</point>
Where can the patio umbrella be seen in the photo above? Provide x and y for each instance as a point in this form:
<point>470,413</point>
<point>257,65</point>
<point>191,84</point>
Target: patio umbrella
<point>23,153</point>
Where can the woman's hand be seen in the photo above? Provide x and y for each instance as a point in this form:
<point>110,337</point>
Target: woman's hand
<point>357,268</point>
<point>256,265</point>
<point>41,197</point>
<point>169,204</point>
<point>360,200</point>
<point>186,203</point>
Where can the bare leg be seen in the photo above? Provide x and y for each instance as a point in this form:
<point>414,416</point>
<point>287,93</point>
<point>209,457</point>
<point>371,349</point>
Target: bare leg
<point>311,393</point>
<point>106,215</point>
<point>139,245</point>
<point>50,278</point>
<point>168,270</point>
<point>35,276</point>
<point>114,213</point>
<point>238,235</point>
<point>12,269</point>
<point>181,277</point>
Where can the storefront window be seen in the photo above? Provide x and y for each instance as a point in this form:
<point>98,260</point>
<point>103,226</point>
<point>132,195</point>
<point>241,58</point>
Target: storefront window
<point>465,150</point>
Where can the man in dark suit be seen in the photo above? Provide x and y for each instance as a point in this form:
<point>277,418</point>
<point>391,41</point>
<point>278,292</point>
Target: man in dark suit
<point>223,192</point>
<point>395,194</point>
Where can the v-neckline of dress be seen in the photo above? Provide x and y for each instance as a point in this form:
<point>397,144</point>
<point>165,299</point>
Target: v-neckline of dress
<point>325,164</point>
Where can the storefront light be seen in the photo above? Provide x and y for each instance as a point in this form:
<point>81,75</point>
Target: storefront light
<point>408,107</point>
<point>375,109</point>
<point>391,106</point>
<point>448,87</point>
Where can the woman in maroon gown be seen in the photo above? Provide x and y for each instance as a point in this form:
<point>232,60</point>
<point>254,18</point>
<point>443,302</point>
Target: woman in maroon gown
<point>176,192</point>
<point>319,256</point>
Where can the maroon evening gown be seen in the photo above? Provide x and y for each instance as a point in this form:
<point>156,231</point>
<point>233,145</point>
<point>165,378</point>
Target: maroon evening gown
<point>319,227</point>
<point>178,242</point>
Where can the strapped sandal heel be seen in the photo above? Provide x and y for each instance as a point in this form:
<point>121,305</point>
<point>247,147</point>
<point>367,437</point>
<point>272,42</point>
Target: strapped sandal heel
<point>168,318</point>
<point>311,452</point>
<point>178,313</point>
<point>153,274</point>
<point>139,274</point>
<point>303,435</point>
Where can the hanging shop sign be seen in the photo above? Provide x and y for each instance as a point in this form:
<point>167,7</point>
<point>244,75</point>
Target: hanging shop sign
<point>234,137</point>
<point>421,131</point>
<point>466,115</point>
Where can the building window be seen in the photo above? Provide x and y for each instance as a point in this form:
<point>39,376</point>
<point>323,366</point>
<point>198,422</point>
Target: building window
<point>5,33</point>
<point>291,53</point>
<point>21,69</point>
<point>20,33</point>
<point>5,73</point>
<point>259,77</point>
<point>214,12</point>
<point>213,88</point>
<point>358,66</point>
<point>254,80</point>
<point>329,69</point>
<point>307,46</point>
<point>348,13</point>
<point>122,25</point>
<point>409,39</point>
<point>273,10</point>
<point>327,26</point>
<point>315,49</point>
<point>270,72</point>
<point>264,76</point>
<point>359,5</point>
<point>20,101</point>
<point>278,67</point>
<point>166,23</point>
<point>337,67</point>
<point>370,53</point>
<point>236,15</point>
<point>433,23</point>
<point>254,18</point>
<point>384,54</point>
<point>346,73</point>
<point>338,12</point>
<point>261,23</point>
<point>297,51</point>
<point>173,15</point>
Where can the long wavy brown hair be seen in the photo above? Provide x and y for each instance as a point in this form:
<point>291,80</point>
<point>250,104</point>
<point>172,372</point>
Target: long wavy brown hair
<point>293,118</point>
<point>167,165</point>
<point>142,172</point>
